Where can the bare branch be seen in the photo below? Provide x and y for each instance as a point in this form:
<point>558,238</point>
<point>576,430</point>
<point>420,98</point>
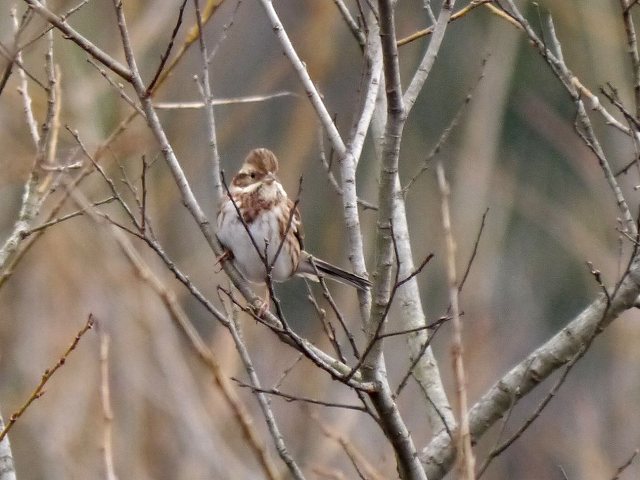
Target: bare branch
<point>68,216</point>
<point>465,459</point>
<point>301,70</point>
<point>542,362</point>
<point>205,86</point>
<point>583,123</point>
<point>117,86</point>
<point>296,398</point>
<point>455,16</point>
<point>210,9</point>
<point>446,133</point>
<point>332,179</point>
<point>420,77</point>
<point>180,318</point>
<point>351,23</point>
<point>620,470</point>
<point>356,456</point>
<point>165,56</point>
<point>107,411</point>
<point>7,467</point>
<point>24,88</point>
<point>263,401</point>
<point>222,101</point>
<point>46,376</point>
<point>414,362</point>
<point>79,40</point>
<point>474,251</point>
<point>632,50</point>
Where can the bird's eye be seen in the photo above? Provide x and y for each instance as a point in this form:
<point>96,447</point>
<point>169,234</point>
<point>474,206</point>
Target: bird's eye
<point>252,174</point>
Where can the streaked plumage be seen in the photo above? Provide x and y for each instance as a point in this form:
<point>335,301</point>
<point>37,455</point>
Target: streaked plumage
<point>266,210</point>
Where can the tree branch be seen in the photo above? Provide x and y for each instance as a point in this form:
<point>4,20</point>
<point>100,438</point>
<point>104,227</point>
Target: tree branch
<point>438,456</point>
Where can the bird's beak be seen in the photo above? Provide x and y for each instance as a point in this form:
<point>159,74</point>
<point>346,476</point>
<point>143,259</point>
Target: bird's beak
<point>270,178</point>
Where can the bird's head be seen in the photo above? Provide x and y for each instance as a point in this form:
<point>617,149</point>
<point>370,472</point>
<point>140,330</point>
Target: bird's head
<point>260,166</point>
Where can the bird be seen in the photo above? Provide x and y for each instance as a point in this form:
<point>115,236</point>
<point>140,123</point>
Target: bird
<point>259,225</point>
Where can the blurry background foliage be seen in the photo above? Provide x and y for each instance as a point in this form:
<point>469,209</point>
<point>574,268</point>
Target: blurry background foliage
<point>514,152</point>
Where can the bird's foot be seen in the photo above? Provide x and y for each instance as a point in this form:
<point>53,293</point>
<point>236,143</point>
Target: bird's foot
<point>226,255</point>
<point>261,306</point>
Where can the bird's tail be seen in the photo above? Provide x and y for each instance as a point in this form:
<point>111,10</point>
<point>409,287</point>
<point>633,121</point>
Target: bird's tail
<point>341,275</point>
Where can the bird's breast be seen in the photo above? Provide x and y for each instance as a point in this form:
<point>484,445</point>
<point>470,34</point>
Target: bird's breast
<point>263,220</point>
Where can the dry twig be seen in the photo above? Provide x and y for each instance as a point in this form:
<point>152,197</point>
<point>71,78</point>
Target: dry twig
<point>46,376</point>
<point>107,410</point>
<point>466,460</point>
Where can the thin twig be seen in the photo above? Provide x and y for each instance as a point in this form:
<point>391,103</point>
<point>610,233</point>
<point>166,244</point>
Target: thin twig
<point>24,86</point>
<point>620,470</point>
<point>358,459</point>
<point>263,401</point>
<point>182,321</point>
<point>296,398</point>
<point>223,101</point>
<point>143,202</point>
<point>474,251</point>
<point>46,376</point>
<point>446,133</point>
<point>343,324</point>
<point>287,371</point>
<point>351,23</point>
<point>632,50</point>
<point>117,86</point>
<point>414,363</point>
<point>582,124</point>
<point>455,16</point>
<point>103,174</point>
<point>431,326</point>
<point>86,45</point>
<point>165,56</point>
<point>68,216</point>
<point>207,96</point>
<point>210,9</point>
<point>466,461</point>
<point>424,69</point>
<point>327,326</point>
<point>225,32</point>
<point>514,395</point>
<point>107,410</point>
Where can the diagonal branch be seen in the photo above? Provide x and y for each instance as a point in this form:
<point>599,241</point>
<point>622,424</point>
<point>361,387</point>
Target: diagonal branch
<point>439,455</point>
<point>46,376</point>
<point>420,77</point>
<point>583,124</point>
<point>62,25</point>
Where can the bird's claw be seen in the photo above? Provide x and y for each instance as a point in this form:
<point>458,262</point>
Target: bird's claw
<point>226,255</point>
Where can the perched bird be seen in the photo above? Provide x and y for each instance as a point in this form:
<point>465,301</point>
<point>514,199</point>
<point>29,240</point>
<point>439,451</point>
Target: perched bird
<point>270,216</point>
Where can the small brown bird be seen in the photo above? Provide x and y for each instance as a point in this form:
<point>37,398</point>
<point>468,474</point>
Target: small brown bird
<point>266,210</point>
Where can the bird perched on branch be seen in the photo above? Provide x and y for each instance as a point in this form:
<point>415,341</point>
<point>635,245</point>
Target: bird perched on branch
<point>260,227</point>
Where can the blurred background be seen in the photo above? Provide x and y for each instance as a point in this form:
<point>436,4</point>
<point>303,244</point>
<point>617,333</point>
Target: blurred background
<point>514,152</point>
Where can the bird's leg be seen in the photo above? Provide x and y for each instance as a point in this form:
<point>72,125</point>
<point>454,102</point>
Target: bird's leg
<point>264,303</point>
<point>226,255</point>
